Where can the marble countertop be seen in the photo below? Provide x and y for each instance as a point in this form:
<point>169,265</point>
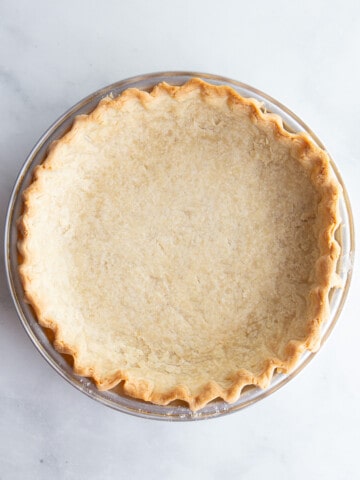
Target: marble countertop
<point>306,56</point>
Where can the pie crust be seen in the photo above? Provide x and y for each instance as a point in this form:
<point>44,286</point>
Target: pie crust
<point>181,243</point>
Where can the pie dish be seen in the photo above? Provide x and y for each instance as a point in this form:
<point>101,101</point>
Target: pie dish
<point>181,242</point>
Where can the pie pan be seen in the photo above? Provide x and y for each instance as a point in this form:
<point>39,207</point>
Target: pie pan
<point>42,339</point>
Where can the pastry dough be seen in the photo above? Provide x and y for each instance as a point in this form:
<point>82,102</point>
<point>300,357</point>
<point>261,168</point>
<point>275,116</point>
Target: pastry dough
<point>181,242</point>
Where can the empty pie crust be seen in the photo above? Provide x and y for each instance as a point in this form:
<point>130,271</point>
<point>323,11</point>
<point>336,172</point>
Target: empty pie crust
<point>181,243</point>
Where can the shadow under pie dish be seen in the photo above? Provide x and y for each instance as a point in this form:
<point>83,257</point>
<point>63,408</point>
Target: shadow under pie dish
<point>181,242</point>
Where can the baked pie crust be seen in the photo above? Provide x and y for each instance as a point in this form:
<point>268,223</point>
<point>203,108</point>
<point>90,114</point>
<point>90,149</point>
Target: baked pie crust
<point>181,242</point>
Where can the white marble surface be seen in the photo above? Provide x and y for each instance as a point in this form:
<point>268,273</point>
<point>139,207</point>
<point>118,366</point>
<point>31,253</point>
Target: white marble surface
<point>304,54</point>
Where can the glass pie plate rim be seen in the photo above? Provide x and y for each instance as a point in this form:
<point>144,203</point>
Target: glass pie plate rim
<point>38,336</point>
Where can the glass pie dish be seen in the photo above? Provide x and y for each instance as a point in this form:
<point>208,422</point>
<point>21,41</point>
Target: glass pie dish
<point>42,338</point>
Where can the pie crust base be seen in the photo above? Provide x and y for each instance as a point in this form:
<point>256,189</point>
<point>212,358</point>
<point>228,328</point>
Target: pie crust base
<point>181,242</point>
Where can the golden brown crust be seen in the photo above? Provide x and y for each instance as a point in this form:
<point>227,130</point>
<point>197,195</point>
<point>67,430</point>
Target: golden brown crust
<point>311,158</point>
